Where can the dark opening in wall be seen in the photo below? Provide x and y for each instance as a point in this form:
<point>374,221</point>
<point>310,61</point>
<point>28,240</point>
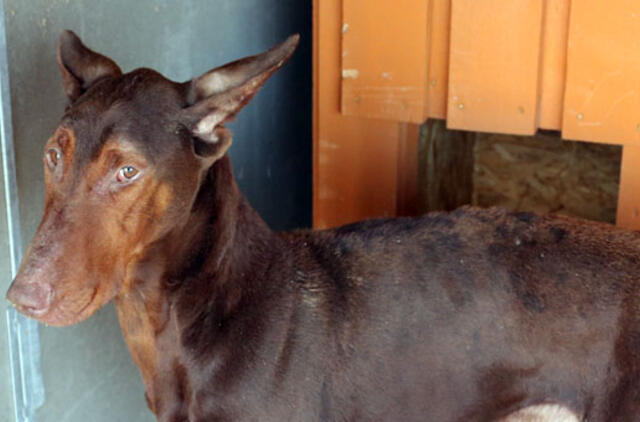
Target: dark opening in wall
<point>541,173</point>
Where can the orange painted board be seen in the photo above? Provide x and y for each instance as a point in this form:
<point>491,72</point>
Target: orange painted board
<point>438,66</point>
<point>629,194</point>
<point>554,63</point>
<point>494,65</point>
<point>602,99</point>
<point>355,160</point>
<point>384,59</point>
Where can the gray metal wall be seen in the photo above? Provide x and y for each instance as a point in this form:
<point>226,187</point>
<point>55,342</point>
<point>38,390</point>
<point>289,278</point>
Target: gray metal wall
<point>6,399</point>
<point>88,374</point>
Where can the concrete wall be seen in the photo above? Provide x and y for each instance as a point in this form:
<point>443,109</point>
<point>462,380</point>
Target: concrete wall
<point>88,374</point>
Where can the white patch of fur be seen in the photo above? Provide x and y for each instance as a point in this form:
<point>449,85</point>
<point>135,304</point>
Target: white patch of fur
<point>214,83</point>
<point>206,126</point>
<point>542,413</point>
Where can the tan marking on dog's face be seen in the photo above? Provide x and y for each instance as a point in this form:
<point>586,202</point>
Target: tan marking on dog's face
<point>121,172</point>
<point>96,220</point>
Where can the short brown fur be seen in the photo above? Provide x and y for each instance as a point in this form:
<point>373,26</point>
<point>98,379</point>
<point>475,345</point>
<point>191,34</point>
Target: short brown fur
<point>467,316</point>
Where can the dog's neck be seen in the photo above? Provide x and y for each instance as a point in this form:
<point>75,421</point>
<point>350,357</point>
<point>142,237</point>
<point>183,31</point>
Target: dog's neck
<point>206,264</point>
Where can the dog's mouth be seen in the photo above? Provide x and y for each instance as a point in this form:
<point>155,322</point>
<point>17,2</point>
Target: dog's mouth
<point>29,311</point>
<point>63,311</point>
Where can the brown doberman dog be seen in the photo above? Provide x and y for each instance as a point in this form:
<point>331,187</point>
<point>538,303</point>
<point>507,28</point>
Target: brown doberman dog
<point>476,315</point>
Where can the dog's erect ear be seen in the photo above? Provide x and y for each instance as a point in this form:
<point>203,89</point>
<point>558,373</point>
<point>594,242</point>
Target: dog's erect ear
<point>217,96</point>
<point>80,66</point>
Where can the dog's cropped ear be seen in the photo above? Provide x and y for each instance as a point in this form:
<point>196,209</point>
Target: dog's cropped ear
<point>80,66</point>
<point>217,96</point>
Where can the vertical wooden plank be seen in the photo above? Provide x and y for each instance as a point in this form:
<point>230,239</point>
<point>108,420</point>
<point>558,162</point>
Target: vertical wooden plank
<point>384,59</point>
<point>629,194</point>
<point>553,63</point>
<point>355,160</point>
<point>315,112</point>
<point>438,77</point>
<point>407,197</point>
<point>445,167</point>
<point>603,72</point>
<point>494,62</point>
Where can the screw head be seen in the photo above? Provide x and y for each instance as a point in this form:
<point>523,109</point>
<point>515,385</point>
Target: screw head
<point>461,106</point>
<point>579,116</point>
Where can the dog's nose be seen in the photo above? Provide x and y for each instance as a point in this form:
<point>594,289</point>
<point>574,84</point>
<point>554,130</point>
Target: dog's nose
<point>33,299</point>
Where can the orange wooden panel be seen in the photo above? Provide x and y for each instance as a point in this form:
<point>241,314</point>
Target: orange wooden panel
<point>493,66</point>
<point>629,194</point>
<point>355,160</point>
<point>602,97</point>
<point>554,63</point>
<point>438,78</point>
<point>384,59</point>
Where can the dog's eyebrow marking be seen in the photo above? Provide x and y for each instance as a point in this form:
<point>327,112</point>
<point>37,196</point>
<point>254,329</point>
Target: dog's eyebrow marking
<point>121,144</point>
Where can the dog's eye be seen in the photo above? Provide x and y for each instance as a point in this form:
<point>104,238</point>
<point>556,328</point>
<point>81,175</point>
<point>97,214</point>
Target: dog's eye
<point>127,174</point>
<point>53,157</point>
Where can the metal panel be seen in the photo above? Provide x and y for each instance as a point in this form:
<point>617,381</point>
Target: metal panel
<point>603,72</point>
<point>384,59</point>
<point>88,373</point>
<point>23,337</point>
<point>494,62</point>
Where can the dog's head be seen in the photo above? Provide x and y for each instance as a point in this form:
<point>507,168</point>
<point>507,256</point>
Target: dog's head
<point>122,170</point>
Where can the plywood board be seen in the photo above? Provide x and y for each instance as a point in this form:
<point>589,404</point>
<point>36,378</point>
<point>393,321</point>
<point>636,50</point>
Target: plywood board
<point>554,63</point>
<point>545,174</point>
<point>355,160</point>
<point>603,72</point>
<point>384,59</point>
<point>494,65</point>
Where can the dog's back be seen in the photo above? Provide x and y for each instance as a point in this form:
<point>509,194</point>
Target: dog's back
<point>468,316</point>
